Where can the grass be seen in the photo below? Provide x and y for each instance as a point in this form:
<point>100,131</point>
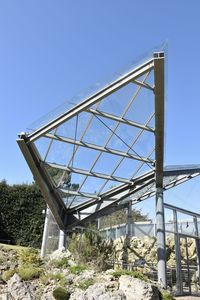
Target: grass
<point>12,247</point>
<point>134,274</point>
<point>29,272</point>
<point>56,277</point>
<point>76,270</point>
<point>60,263</point>
<point>166,295</point>
<point>8,274</point>
<point>84,284</point>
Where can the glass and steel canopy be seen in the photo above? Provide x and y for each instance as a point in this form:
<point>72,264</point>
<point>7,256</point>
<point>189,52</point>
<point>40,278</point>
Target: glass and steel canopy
<point>97,154</point>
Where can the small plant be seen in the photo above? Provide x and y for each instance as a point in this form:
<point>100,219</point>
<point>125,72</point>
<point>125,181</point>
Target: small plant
<point>77,269</point>
<point>2,259</point>
<point>166,295</point>
<point>58,277</point>
<point>134,274</point>
<point>61,294</point>
<point>8,274</point>
<point>30,256</point>
<point>84,284</point>
<point>29,272</point>
<point>60,263</point>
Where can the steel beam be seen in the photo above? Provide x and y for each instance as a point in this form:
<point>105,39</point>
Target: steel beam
<point>159,115</point>
<point>96,147</point>
<point>87,173</point>
<point>51,196</point>
<point>114,86</point>
<point>119,119</point>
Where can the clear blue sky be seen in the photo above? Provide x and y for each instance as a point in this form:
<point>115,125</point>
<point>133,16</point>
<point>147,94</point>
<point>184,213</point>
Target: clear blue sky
<point>50,50</point>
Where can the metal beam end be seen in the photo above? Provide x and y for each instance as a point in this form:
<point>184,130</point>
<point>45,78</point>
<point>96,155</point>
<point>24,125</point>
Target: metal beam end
<point>159,54</point>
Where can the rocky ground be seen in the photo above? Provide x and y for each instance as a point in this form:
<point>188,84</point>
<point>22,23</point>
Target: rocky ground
<point>25,276</point>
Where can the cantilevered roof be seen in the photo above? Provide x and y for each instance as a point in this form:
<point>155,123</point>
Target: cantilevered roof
<point>104,149</point>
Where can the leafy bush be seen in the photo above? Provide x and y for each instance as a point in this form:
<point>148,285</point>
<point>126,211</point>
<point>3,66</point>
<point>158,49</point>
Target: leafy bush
<point>84,284</point>
<point>8,274</point>
<point>134,274</point>
<point>60,263</point>
<point>30,256</point>
<point>166,295</point>
<point>29,272</point>
<point>90,248</point>
<point>61,294</point>
<point>77,269</point>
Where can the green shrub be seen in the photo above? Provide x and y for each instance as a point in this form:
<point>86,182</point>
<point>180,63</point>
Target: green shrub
<point>61,294</point>
<point>90,248</point>
<point>166,295</point>
<point>84,284</point>
<point>8,274</point>
<point>60,263</point>
<point>77,269</point>
<point>29,272</point>
<point>30,256</point>
<point>134,274</point>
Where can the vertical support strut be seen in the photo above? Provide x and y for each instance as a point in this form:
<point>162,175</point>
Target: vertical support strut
<point>197,248</point>
<point>179,280</point>
<point>159,155</point>
<point>45,233</point>
<point>160,233</point>
<point>129,219</point>
<point>62,240</point>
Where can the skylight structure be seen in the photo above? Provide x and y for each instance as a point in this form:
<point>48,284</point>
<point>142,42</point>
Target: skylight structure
<point>95,155</point>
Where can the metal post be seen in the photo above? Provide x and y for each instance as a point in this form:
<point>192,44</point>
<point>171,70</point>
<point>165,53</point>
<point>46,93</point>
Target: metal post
<point>45,233</point>
<point>179,280</point>
<point>62,240</point>
<point>197,248</point>
<point>129,219</point>
<point>160,233</point>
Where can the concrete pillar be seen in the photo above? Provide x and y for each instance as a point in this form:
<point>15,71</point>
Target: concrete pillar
<point>45,233</point>
<point>62,239</point>
<point>160,234</point>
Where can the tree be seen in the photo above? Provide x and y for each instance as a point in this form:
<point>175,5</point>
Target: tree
<point>120,217</point>
<point>21,218</point>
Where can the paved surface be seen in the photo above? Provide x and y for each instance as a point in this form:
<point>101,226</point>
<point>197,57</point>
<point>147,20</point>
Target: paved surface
<point>187,298</point>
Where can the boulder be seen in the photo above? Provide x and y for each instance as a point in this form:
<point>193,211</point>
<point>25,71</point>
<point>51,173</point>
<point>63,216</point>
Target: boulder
<point>136,289</point>
<point>20,290</point>
<point>61,253</point>
<point>98,291</point>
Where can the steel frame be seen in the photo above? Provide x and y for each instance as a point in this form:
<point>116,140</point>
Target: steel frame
<point>63,201</point>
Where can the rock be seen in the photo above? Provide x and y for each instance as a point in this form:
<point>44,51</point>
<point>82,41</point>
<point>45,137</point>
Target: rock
<point>97,291</point>
<point>61,253</point>
<point>20,290</point>
<point>136,289</point>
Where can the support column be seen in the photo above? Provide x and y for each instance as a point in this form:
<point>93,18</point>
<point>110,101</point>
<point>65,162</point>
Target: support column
<point>160,233</point>
<point>62,239</point>
<point>129,219</point>
<point>197,248</point>
<point>45,233</point>
<point>179,280</point>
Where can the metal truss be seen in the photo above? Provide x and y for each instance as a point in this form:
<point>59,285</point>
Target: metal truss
<point>109,148</point>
